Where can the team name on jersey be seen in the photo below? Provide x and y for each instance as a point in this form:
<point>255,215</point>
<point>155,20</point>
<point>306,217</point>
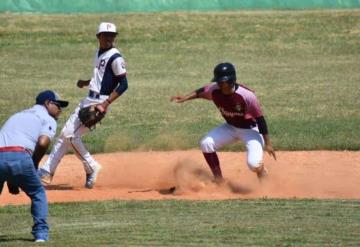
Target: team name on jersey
<point>230,114</point>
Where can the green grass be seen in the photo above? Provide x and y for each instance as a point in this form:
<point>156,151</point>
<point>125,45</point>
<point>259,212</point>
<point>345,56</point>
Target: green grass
<point>303,65</point>
<point>185,223</point>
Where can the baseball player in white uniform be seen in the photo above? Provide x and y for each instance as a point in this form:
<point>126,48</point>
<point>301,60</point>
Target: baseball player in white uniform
<point>108,82</point>
<point>244,120</point>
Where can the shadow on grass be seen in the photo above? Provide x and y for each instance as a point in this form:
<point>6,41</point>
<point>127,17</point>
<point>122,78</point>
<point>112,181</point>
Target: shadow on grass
<point>4,238</point>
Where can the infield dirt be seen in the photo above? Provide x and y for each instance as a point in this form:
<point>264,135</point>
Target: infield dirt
<point>154,175</point>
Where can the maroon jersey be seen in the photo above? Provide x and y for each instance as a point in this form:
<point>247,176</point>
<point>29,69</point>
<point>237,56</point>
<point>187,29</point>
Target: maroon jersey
<point>239,109</point>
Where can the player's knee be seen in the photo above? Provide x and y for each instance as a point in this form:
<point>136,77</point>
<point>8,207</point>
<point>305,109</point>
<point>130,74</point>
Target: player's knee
<point>254,164</point>
<point>207,145</point>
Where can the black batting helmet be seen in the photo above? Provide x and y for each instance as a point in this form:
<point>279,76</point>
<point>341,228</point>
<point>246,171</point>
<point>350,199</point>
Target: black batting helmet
<point>224,72</point>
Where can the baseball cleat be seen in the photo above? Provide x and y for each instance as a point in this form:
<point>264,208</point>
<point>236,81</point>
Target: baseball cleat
<point>91,177</point>
<point>45,176</point>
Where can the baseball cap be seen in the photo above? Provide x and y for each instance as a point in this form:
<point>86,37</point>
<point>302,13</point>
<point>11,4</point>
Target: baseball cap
<point>106,27</point>
<point>52,96</point>
<point>224,72</point>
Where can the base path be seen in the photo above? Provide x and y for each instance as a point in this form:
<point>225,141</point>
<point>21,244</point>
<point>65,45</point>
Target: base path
<point>185,175</point>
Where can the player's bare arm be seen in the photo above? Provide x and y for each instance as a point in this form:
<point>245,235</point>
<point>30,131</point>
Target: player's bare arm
<point>104,105</point>
<point>268,146</point>
<point>263,129</point>
<point>181,99</point>
<point>40,149</point>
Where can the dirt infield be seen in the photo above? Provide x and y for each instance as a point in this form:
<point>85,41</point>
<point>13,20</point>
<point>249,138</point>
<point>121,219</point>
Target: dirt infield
<point>150,175</point>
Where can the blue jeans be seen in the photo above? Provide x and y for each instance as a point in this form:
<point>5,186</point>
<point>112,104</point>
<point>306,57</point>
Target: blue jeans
<point>19,168</point>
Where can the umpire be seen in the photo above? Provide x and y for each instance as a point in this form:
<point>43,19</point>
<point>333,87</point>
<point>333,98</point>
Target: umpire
<point>24,139</point>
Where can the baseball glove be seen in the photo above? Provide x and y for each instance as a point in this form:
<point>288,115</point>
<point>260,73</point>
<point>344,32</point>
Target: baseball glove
<point>90,116</point>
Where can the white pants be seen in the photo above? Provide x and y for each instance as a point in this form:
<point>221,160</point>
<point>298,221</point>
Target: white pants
<point>70,136</point>
<point>226,134</point>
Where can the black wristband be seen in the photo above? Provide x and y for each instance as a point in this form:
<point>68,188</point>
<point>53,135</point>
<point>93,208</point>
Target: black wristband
<point>199,91</point>
<point>263,129</point>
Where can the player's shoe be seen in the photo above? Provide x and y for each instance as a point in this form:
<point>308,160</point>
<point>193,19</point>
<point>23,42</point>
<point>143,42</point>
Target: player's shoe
<point>40,240</point>
<point>91,177</point>
<point>45,176</point>
<point>262,174</point>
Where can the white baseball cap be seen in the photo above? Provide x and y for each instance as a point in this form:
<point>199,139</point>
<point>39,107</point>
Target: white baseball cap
<point>106,27</point>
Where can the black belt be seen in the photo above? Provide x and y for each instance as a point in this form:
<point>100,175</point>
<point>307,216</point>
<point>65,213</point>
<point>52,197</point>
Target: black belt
<point>93,94</point>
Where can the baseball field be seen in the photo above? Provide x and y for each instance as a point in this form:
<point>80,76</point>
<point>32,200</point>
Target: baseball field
<point>304,68</point>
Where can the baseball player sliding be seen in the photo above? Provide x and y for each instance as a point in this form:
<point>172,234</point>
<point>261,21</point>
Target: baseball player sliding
<point>107,84</point>
<point>244,121</point>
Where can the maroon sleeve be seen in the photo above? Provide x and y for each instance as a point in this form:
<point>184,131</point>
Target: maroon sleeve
<point>206,91</point>
<point>253,109</point>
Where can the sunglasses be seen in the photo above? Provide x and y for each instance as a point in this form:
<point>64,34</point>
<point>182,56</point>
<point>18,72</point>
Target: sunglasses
<point>57,104</point>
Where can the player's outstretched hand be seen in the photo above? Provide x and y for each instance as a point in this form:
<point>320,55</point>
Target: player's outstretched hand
<point>178,99</point>
<point>269,148</point>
